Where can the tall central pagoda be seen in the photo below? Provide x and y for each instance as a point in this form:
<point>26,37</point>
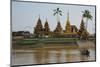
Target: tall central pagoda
<point>68,26</point>
<point>44,31</point>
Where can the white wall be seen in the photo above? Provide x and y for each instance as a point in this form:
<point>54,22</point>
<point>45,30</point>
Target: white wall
<point>5,34</point>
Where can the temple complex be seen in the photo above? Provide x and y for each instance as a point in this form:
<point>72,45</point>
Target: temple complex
<point>69,31</point>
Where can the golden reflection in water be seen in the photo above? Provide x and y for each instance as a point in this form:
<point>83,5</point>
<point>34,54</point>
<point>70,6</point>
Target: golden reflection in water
<point>38,56</point>
<point>46,56</point>
<point>58,55</point>
<point>68,56</point>
<point>43,56</point>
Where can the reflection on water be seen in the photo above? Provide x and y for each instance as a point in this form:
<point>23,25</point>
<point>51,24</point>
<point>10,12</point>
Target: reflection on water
<point>50,56</point>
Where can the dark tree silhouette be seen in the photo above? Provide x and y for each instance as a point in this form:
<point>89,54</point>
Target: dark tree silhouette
<point>57,12</point>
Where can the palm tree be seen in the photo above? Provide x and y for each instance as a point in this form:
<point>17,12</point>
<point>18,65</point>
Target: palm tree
<point>57,12</point>
<point>86,14</point>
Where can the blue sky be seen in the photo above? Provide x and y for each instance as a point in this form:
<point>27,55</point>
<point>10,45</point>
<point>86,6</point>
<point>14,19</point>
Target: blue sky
<point>26,14</point>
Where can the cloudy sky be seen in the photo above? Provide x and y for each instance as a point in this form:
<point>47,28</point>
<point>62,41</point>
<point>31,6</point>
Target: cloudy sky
<point>26,14</point>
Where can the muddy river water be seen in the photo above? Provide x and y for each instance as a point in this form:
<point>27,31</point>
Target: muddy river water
<point>50,56</point>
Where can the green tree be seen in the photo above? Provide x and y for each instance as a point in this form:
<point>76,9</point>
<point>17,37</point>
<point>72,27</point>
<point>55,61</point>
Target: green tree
<point>87,14</point>
<point>57,12</point>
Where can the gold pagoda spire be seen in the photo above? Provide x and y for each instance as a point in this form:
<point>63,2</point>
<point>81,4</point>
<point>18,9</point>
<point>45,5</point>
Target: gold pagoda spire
<point>68,26</point>
<point>68,22</point>
<point>68,16</point>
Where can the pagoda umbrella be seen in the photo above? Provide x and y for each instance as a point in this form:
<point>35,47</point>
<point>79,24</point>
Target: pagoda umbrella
<point>86,14</point>
<point>58,13</point>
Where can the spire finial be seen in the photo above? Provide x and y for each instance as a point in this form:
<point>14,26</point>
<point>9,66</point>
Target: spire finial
<point>68,15</point>
<point>39,16</point>
<point>68,22</point>
<point>46,19</point>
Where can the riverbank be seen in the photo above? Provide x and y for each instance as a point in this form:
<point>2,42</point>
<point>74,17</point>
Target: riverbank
<point>68,46</point>
<point>46,47</point>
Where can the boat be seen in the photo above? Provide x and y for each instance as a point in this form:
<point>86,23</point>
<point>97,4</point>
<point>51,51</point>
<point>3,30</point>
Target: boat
<point>85,52</point>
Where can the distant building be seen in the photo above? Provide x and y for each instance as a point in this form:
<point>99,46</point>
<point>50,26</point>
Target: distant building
<point>23,34</point>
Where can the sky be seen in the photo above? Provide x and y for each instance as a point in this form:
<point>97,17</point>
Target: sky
<point>26,14</point>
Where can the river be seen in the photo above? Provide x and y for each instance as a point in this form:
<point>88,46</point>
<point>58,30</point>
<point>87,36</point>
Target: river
<point>50,56</point>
